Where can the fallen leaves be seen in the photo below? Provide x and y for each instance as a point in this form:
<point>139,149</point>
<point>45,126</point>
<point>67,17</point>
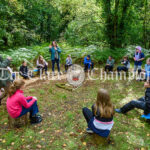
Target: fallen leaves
<point>84,143</point>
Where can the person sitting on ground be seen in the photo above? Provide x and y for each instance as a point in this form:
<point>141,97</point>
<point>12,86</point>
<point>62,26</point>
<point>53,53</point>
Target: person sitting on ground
<point>23,71</point>
<point>5,76</point>
<point>18,105</point>
<point>109,64</point>
<point>68,62</point>
<point>42,65</point>
<point>88,64</point>
<point>142,103</point>
<point>126,65</point>
<point>138,58</point>
<point>100,119</point>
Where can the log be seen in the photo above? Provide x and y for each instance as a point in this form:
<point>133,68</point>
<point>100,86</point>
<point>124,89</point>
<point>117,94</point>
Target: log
<point>62,85</point>
<point>18,122</point>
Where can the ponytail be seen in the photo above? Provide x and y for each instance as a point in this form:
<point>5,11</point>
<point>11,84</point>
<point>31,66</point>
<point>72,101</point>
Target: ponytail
<point>16,85</point>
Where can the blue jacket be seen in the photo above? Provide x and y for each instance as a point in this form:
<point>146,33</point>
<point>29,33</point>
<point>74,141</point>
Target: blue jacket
<point>52,51</point>
<point>87,62</point>
<point>147,70</point>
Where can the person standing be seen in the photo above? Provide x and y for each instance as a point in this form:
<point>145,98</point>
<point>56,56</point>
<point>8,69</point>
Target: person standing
<point>55,56</point>
<point>138,58</point>
<point>5,76</point>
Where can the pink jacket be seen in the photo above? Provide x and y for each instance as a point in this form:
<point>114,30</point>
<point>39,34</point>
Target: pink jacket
<point>15,103</point>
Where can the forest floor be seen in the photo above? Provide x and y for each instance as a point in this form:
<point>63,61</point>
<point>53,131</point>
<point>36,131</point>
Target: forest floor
<point>64,127</point>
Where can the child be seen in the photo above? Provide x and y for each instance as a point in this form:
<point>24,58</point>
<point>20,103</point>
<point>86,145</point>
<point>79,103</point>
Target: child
<point>126,65</point>
<point>109,64</point>
<point>18,105</point>
<point>88,63</point>
<point>100,120</point>
<point>142,103</point>
<point>68,63</point>
<point>23,71</point>
<point>138,58</point>
<point>42,64</point>
<point>147,69</point>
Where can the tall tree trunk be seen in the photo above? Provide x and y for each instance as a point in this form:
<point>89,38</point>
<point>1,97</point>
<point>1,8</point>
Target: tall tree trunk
<point>121,38</point>
<point>116,23</point>
<point>145,24</point>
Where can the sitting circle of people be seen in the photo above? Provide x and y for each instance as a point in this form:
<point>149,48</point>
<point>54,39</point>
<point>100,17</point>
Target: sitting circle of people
<point>100,119</point>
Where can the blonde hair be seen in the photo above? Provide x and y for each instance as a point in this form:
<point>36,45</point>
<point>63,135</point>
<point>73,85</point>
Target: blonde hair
<point>41,61</point>
<point>104,104</point>
<point>148,60</point>
<point>16,85</point>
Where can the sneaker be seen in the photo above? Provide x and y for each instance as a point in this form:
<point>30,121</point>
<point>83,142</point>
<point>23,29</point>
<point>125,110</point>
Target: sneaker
<point>118,110</point>
<point>60,73</point>
<point>35,120</point>
<point>88,130</point>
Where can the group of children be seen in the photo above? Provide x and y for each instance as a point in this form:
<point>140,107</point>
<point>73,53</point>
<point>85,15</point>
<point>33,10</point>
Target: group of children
<point>100,119</point>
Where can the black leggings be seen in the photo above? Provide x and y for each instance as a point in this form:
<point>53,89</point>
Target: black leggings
<point>87,114</point>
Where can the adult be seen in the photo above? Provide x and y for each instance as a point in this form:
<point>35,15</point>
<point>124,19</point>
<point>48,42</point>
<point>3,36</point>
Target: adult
<point>5,76</point>
<point>68,62</point>
<point>125,65</point>
<point>88,64</point>
<point>109,64</point>
<point>138,58</point>
<point>42,65</point>
<point>142,103</point>
<point>55,56</point>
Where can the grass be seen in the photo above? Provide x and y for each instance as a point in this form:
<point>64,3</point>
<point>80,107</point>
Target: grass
<point>63,126</point>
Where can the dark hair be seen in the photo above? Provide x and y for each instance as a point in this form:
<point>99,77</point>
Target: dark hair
<point>16,85</point>
<point>55,43</point>
<point>23,62</point>
<point>88,56</point>
<point>125,57</point>
<point>110,56</point>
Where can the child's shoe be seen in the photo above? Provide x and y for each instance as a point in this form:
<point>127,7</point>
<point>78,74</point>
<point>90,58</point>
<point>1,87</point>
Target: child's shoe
<point>118,110</point>
<point>88,130</point>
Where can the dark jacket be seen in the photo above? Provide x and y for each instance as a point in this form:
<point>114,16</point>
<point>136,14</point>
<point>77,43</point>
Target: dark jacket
<point>4,75</point>
<point>147,101</point>
<point>23,70</point>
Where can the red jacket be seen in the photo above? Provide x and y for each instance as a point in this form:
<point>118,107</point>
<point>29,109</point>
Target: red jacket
<point>15,103</point>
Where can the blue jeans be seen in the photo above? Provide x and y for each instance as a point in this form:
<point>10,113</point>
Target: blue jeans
<point>88,115</point>
<point>53,64</point>
<point>33,109</point>
<point>140,104</point>
<point>88,66</point>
